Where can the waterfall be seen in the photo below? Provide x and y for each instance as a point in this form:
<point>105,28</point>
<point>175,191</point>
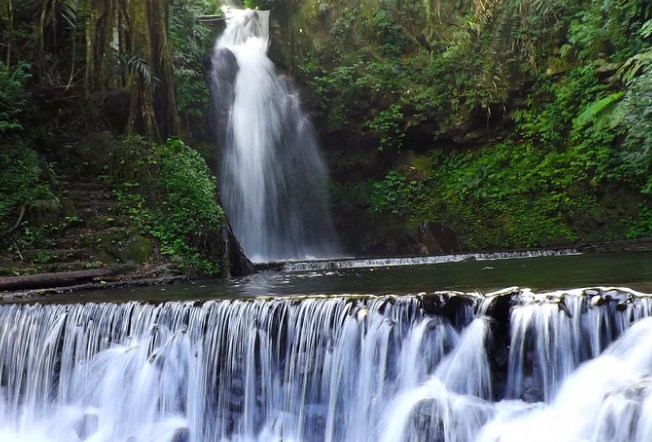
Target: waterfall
<point>572,365</point>
<point>274,183</point>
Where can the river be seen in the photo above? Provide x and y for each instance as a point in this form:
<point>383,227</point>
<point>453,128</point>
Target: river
<point>448,351</point>
<point>632,269</point>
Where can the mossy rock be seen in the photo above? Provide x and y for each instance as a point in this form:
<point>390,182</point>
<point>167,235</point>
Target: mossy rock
<point>44,212</point>
<point>135,249</point>
<point>139,249</point>
<point>105,257</point>
<point>104,222</point>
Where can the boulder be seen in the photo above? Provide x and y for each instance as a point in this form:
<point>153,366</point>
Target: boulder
<point>223,73</point>
<point>132,249</point>
<point>234,260</point>
<point>93,153</point>
<point>436,239</point>
<point>138,249</point>
<point>181,435</point>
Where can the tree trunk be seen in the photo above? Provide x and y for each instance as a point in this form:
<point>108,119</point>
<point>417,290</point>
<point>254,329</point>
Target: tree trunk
<point>100,26</point>
<point>59,279</point>
<point>153,105</point>
<point>128,36</point>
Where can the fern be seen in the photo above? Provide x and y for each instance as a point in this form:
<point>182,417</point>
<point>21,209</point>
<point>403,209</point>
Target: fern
<point>69,10</point>
<point>646,29</point>
<point>593,110</point>
<point>13,97</point>
<point>134,65</point>
<point>635,65</point>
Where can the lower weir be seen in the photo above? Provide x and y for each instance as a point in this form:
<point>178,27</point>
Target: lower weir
<point>507,366</point>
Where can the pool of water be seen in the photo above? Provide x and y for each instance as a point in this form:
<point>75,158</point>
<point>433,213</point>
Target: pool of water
<point>632,270</point>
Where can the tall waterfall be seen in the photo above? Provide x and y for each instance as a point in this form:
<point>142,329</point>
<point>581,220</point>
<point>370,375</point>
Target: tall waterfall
<point>274,183</point>
<point>512,366</point>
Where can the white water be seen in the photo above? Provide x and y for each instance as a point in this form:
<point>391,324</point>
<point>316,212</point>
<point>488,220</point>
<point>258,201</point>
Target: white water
<point>328,369</point>
<point>353,263</point>
<point>273,181</point>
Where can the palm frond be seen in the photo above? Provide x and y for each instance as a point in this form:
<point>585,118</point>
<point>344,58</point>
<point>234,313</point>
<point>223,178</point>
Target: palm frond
<point>646,29</point>
<point>134,65</point>
<point>69,12</point>
<point>635,65</point>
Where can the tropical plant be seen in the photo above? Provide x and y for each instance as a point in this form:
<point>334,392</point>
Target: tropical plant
<point>13,96</point>
<point>173,198</point>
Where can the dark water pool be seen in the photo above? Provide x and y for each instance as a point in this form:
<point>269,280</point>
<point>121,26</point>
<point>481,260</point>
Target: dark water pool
<point>632,270</point>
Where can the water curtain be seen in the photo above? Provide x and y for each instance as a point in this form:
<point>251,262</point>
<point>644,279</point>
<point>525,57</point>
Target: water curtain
<point>563,366</point>
<point>274,183</point>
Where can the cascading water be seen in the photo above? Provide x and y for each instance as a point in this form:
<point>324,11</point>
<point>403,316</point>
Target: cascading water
<point>274,183</point>
<point>569,366</point>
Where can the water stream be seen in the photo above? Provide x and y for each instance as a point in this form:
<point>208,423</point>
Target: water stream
<point>510,365</point>
<point>274,183</point>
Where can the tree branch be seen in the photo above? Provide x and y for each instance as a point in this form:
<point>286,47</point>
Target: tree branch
<point>15,226</point>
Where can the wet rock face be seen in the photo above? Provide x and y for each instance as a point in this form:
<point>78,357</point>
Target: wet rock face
<point>497,345</point>
<point>450,305</point>
<point>436,239</point>
<point>181,435</point>
<point>224,71</point>
<point>234,261</point>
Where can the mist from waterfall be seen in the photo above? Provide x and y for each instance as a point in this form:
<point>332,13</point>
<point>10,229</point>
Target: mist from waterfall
<point>274,183</point>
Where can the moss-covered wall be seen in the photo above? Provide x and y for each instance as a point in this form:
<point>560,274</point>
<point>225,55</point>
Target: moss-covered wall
<point>516,123</point>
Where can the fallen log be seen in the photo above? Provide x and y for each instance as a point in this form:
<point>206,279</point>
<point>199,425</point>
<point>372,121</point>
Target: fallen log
<point>56,279</point>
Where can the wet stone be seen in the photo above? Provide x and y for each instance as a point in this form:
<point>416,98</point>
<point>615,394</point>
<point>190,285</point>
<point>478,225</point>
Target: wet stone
<point>563,307</point>
<point>597,301</point>
<point>181,435</point>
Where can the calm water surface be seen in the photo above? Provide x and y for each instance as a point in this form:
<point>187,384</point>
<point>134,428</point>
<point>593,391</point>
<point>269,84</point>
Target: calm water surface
<point>632,270</point>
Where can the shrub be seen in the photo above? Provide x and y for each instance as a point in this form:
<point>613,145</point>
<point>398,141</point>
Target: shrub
<point>24,181</point>
<point>13,97</point>
<point>173,199</point>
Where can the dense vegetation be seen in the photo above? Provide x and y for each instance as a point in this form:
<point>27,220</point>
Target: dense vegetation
<point>168,192</point>
<point>89,94</point>
<point>518,123</point>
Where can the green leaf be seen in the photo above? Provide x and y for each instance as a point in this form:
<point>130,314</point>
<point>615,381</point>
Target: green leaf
<point>593,110</point>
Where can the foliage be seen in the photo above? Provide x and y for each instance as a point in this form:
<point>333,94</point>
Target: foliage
<point>25,181</point>
<point>506,196</point>
<point>641,227</point>
<point>633,119</point>
<point>396,194</point>
<point>132,65</point>
<point>388,126</point>
<point>191,41</point>
<point>13,96</point>
<point>259,4</point>
<point>173,198</point>
<point>404,55</point>
<point>582,130</point>
<point>188,214</point>
<point>612,28</point>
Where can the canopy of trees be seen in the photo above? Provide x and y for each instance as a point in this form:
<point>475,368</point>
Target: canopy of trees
<point>95,47</point>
